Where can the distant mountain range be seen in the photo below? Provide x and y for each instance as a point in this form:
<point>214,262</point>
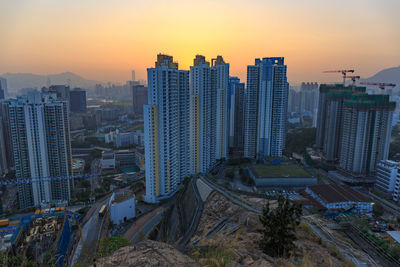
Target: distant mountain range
<point>390,75</point>
<point>16,81</point>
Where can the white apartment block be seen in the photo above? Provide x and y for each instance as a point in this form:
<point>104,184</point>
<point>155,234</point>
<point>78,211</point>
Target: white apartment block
<point>166,129</point>
<point>267,100</point>
<point>202,117</point>
<point>39,130</point>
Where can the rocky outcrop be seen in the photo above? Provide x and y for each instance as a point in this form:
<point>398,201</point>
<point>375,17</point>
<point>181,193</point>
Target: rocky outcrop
<point>147,253</point>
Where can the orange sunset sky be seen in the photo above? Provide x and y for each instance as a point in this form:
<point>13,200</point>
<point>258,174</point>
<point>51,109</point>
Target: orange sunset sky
<point>103,40</point>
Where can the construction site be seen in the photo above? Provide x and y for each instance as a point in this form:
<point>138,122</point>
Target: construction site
<point>43,237</point>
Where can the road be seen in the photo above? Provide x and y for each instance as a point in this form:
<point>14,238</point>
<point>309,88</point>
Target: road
<point>196,217</point>
<point>146,229</point>
<point>90,232</point>
<point>226,194</point>
<point>95,169</point>
<point>386,204</point>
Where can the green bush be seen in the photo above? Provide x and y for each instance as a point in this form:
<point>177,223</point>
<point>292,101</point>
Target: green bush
<point>110,244</point>
<point>378,210</point>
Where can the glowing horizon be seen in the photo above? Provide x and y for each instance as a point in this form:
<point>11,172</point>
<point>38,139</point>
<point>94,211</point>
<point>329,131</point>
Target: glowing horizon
<point>103,40</point>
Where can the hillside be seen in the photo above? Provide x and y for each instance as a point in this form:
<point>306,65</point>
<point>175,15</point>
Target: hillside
<point>390,75</point>
<point>147,253</point>
<point>16,81</point>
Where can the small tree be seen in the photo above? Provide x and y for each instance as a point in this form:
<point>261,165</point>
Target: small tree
<point>377,209</point>
<point>279,227</point>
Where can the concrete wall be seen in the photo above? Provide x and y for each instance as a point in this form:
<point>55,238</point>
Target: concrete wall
<point>121,210</point>
<point>285,182</point>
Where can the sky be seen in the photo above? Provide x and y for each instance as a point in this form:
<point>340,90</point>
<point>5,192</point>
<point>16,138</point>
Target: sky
<point>103,40</point>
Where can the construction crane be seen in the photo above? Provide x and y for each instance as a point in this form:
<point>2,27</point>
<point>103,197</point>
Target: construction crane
<point>344,73</point>
<point>380,85</point>
<point>353,79</point>
<point>30,180</point>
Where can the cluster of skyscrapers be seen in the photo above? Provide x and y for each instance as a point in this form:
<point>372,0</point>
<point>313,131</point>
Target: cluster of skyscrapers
<point>353,128</point>
<point>195,118</point>
<point>35,138</point>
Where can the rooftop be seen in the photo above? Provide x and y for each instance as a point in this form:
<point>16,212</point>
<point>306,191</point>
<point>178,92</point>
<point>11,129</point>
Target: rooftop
<point>332,193</point>
<point>122,196</point>
<point>273,171</point>
<point>395,235</point>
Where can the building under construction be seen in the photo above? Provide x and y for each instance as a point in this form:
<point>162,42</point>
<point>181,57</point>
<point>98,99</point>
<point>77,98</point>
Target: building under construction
<point>41,239</point>
<point>353,128</point>
<point>44,237</point>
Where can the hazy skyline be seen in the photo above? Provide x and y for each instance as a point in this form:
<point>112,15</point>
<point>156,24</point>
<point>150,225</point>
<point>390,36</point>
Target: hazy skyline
<point>103,40</point>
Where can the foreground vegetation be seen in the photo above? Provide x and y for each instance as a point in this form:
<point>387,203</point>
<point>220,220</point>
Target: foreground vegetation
<point>279,227</point>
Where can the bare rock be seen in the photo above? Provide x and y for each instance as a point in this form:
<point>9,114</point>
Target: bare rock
<point>147,253</point>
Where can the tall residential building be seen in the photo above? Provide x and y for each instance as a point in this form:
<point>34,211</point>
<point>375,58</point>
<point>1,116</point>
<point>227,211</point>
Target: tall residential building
<point>309,100</point>
<point>365,133</point>
<point>3,151</point>
<point>251,111</point>
<point>5,134</point>
<point>266,108</point>
<point>202,117</point>
<point>3,88</point>
<point>40,135</point>
<point>329,122</point>
<point>387,175</point>
<point>236,114</point>
<point>220,84</point>
<point>139,94</point>
<point>62,91</point>
<point>166,128</point>
<point>77,100</point>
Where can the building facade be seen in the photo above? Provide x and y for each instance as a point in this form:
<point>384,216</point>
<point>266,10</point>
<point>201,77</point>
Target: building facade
<point>353,128</point>
<point>366,133</point>
<point>3,151</point>
<point>3,88</point>
<point>266,114</point>
<point>220,84</point>
<point>329,117</point>
<point>78,100</point>
<point>166,128</point>
<point>202,117</point>
<point>122,207</point>
<point>62,91</point>
<point>40,135</point>
<point>139,96</point>
<point>387,174</point>
<point>251,111</point>
<point>236,107</point>
<point>340,198</point>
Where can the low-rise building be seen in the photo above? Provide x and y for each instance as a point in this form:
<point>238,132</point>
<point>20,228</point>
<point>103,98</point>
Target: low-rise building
<point>122,207</point>
<point>129,138</point>
<point>340,198</point>
<point>387,172</point>
<point>393,236</point>
<point>108,160</point>
<point>78,166</point>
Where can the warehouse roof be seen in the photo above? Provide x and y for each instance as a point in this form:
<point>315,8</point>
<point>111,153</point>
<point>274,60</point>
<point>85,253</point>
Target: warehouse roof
<point>332,193</point>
